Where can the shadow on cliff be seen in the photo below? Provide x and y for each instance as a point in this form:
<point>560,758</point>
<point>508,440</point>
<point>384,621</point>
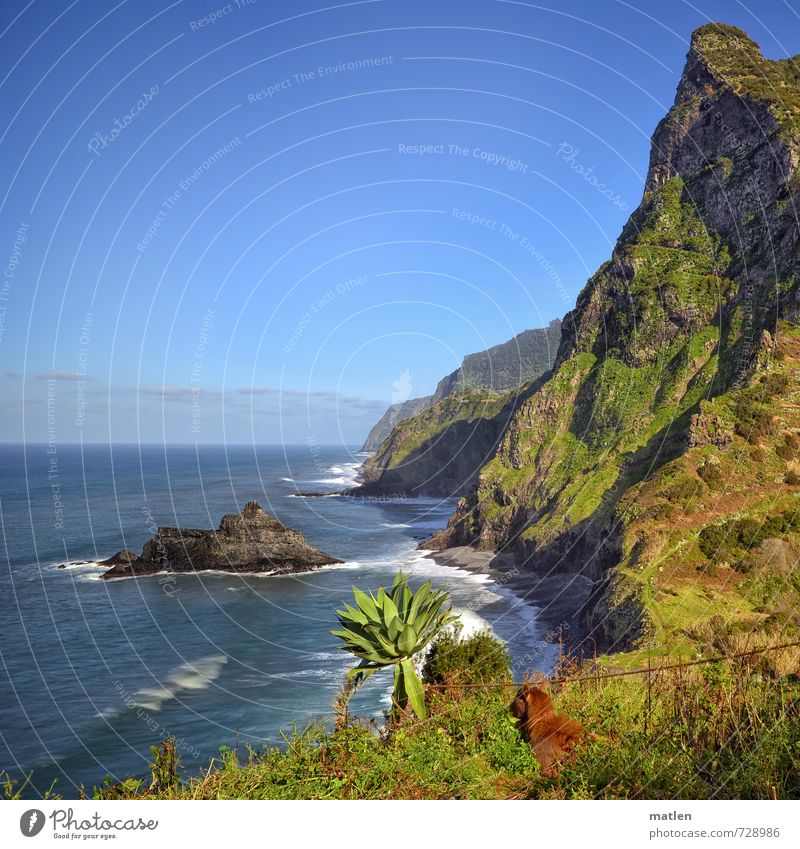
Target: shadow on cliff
<point>447,464</point>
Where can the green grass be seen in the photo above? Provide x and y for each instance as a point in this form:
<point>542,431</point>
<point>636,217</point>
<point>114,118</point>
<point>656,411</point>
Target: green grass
<point>424,428</point>
<point>716,731</point>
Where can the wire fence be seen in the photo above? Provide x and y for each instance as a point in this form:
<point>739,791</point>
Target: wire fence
<point>649,670</point>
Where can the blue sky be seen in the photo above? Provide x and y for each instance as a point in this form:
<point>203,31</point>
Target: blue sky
<point>243,222</point>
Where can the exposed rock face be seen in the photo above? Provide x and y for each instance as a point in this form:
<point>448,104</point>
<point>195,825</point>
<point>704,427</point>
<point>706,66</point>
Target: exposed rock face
<point>710,429</point>
<point>702,274</point>
<point>506,366</point>
<point>499,369</point>
<point>121,558</point>
<point>392,417</point>
<point>250,541</point>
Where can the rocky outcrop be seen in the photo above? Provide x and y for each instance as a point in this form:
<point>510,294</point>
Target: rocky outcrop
<point>710,428</point>
<point>499,369</point>
<point>246,542</point>
<point>121,558</point>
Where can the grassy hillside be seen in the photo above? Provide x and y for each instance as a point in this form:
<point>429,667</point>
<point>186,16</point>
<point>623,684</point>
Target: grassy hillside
<point>711,541</point>
<point>660,459</point>
<point>433,452</point>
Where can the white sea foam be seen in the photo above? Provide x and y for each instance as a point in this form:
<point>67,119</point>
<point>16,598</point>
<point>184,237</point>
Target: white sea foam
<point>324,655</point>
<point>192,675</point>
<point>471,623</point>
<point>319,674</point>
<point>339,481</point>
<point>79,564</point>
<point>342,474</point>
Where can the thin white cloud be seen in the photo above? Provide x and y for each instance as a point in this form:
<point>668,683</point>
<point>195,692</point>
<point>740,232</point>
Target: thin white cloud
<point>61,375</point>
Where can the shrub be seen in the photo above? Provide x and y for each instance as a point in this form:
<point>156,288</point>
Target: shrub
<point>478,659</point>
<point>754,420</point>
<point>725,541</point>
<point>713,542</point>
<point>776,384</point>
<point>662,510</point>
<point>708,568</point>
<point>684,488</point>
<point>711,474</point>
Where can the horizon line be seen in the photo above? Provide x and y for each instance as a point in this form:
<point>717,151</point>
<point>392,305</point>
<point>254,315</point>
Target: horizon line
<point>186,444</point>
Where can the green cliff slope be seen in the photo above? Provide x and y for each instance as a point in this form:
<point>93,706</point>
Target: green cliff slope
<point>670,403</point>
<point>499,369</point>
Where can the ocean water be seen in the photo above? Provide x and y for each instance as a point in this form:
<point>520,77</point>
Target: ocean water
<point>95,672</point>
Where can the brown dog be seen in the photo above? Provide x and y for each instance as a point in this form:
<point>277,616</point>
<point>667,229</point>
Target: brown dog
<point>550,734</point>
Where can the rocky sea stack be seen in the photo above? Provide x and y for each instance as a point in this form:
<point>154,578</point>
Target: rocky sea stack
<point>248,542</point>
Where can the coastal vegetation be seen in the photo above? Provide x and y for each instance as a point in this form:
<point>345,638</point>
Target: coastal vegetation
<point>724,730</point>
<point>387,629</point>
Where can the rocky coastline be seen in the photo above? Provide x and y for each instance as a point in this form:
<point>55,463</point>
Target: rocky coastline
<point>558,597</point>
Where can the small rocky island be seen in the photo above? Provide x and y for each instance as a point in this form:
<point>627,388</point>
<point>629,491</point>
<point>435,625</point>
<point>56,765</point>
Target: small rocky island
<point>252,541</point>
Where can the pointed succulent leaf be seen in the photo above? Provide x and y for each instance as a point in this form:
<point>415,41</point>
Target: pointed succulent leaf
<point>413,688</point>
<point>395,629</point>
<point>389,609</point>
<point>418,601</point>
<point>400,581</point>
<point>354,613</point>
<point>358,645</point>
<point>363,671</point>
<point>352,616</point>
<point>367,604</point>
<point>358,631</point>
<point>407,642</point>
<point>383,644</point>
<point>404,604</point>
<point>399,694</point>
<point>425,620</point>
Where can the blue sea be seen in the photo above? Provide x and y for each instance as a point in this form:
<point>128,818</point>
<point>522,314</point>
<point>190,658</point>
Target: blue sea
<point>95,672</point>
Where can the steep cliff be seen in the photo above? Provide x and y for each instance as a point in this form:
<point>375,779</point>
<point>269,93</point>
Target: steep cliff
<point>666,362</point>
<point>439,451</point>
<point>508,365</point>
<point>498,369</point>
<point>392,417</point>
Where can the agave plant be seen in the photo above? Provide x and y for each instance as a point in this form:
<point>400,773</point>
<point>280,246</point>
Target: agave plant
<point>387,629</point>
